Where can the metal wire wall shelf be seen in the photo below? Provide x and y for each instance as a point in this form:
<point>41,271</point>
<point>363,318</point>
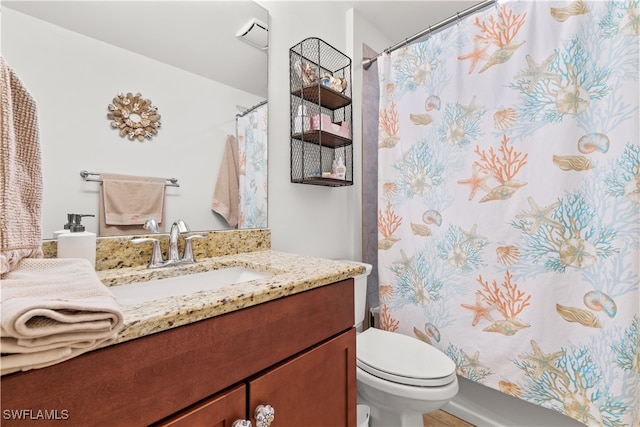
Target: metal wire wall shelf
<point>321,113</point>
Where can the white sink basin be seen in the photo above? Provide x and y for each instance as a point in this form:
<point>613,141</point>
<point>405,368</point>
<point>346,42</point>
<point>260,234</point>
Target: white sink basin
<point>137,293</point>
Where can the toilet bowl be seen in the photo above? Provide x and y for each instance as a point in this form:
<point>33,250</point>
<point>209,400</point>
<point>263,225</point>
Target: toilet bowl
<point>399,377</point>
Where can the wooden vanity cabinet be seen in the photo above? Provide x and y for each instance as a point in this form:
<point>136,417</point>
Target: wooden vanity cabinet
<point>309,390</point>
<point>296,353</point>
<point>312,389</point>
<point>219,411</point>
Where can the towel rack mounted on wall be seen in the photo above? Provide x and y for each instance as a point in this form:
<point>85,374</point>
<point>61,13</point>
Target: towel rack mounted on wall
<point>171,182</point>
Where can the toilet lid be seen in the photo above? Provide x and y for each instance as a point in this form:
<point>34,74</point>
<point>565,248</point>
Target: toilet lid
<point>403,359</point>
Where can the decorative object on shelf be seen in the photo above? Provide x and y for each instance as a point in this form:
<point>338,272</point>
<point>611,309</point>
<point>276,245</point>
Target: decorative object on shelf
<point>341,170</point>
<point>306,72</point>
<point>321,115</point>
<point>136,117</point>
<point>338,84</point>
<point>323,122</point>
<point>302,122</point>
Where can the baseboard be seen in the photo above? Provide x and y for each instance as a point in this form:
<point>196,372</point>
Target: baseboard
<point>485,407</point>
<point>472,415</point>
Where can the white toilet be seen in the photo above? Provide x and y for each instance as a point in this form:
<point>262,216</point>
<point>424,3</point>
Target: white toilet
<point>399,377</point>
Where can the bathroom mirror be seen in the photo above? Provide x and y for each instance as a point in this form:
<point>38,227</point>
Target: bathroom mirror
<point>74,57</point>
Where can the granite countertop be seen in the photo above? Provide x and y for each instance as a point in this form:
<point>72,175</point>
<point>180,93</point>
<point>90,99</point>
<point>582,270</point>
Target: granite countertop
<point>291,274</point>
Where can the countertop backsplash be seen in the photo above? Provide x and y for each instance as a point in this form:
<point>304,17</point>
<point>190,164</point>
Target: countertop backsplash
<point>118,251</point>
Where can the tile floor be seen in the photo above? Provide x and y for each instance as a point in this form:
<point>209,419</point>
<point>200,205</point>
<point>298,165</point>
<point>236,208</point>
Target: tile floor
<point>443,419</point>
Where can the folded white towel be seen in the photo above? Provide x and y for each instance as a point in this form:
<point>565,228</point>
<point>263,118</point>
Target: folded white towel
<point>51,305</point>
<point>26,361</point>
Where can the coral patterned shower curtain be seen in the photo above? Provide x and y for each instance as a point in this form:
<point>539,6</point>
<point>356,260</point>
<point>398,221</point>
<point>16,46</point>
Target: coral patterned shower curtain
<point>251,130</point>
<point>509,202</point>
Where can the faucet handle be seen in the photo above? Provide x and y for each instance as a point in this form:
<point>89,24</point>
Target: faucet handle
<point>182,226</point>
<point>152,225</point>
<point>156,254</point>
<point>188,248</point>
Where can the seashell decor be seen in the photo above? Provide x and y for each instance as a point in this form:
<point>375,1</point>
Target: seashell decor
<point>420,229</point>
<point>592,142</point>
<point>307,72</point>
<point>432,331</point>
<point>432,103</point>
<point>561,14</point>
<point>432,217</point>
<point>632,189</point>
<point>334,83</point>
<point>599,301</point>
<point>421,335</point>
<point>576,163</point>
<point>507,255</point>
<point>578,315</point>
<point>420,119</point>
<point>504,119</point>
<point>510,388</point>
<point>134,116</point>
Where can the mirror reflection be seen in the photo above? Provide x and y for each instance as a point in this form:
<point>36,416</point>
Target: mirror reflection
<point>186,58</point>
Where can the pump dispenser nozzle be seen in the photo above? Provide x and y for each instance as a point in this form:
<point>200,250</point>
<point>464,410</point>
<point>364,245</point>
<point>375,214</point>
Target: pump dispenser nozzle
<point>75,222</point>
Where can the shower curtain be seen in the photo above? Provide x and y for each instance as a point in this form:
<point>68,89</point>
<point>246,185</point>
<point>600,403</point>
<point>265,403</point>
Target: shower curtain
<point>509,202</point>
<point>251,130</point>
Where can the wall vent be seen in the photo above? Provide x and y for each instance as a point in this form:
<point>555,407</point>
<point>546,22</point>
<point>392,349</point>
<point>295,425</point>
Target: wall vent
<point>256,33</point>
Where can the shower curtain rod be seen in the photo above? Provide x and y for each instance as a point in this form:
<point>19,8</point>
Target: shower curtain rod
<point>366,63</point>
<point>248,110</point>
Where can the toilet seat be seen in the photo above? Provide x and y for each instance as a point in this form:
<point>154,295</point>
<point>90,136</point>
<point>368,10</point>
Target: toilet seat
<point>402,359</point>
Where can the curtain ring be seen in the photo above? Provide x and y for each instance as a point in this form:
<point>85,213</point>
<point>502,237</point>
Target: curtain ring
<point>458,15</point>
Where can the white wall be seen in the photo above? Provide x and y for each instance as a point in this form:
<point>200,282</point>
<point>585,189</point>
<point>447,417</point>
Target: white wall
<point>73,78</point>
<point>304,219</point>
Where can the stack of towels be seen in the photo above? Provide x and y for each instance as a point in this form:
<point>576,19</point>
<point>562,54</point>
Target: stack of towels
<point>50,309</point>
<point>53,310</point>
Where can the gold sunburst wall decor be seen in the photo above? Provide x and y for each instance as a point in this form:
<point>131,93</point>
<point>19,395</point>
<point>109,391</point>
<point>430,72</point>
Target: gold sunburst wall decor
<point>134,116</point>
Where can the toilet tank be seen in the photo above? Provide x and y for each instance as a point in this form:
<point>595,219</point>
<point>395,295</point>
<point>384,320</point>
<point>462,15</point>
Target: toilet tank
<point>360,293</point>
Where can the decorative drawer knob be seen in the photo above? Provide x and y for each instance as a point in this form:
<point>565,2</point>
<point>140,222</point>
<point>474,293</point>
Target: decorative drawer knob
<point>241,423</point>
<point>265,414</point>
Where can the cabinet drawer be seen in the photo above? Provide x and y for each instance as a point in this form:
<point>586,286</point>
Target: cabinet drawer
<point>219,411</point>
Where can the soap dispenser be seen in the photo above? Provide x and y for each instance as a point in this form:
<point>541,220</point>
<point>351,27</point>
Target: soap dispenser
<point>77,243</point>
<point>66,228</point>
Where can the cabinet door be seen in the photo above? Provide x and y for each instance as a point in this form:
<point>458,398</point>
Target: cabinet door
<point>314,389</point>
<point>219,411</point>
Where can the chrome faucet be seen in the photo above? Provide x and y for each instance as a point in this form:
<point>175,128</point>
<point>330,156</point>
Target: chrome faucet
<point>177,228</point>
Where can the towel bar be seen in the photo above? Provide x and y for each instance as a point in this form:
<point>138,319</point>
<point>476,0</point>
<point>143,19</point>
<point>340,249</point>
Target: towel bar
<point>171,182</point>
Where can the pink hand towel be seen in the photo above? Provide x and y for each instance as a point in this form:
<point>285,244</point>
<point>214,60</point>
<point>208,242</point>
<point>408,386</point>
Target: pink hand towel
<point>127,201</point>
<point>226,195</point>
